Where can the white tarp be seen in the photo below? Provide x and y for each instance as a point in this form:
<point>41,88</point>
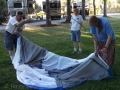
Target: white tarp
<point>40,69</point>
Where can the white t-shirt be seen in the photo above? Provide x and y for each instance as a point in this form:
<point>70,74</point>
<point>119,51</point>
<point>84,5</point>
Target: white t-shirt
<point>76,20</point>
<point>11,28</point>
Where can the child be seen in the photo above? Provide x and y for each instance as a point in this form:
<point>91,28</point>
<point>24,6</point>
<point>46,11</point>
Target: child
<point>76,21</point>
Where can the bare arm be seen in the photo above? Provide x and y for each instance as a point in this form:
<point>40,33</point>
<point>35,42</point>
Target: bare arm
<point>95,42</point>
<point>21,23</point>
<point>81,25</point>
<point>108,41</point>
<point>104,50</point>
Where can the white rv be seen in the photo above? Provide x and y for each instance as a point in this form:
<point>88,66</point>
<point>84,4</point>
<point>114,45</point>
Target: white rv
<point>78,5</point>
<point>55,8</point>
<point>27,6</point>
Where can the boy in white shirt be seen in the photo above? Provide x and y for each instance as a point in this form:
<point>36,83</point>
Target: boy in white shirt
<point>14,27</point>
<point>76,26</point>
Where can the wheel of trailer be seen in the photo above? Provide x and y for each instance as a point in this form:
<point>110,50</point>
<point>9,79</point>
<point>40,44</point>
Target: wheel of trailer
<point>52,17</point>
<point>59,17</point>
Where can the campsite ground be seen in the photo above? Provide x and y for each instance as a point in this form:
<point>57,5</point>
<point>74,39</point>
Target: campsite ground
<point>57,40</point>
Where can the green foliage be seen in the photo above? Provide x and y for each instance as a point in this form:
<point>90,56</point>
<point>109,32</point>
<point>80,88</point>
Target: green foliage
<point>37,8</point>
<point>118,1</point>
<point>63,5</point>
<point>98,10</point>
<point>3,8</point>
<point>112,4</point>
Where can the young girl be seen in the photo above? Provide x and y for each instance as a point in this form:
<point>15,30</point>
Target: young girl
<point>76,21</point>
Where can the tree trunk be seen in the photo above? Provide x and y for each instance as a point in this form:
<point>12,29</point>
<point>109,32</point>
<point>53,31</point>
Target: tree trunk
<point>94,6</point>
<point>105,8</point>
<point>68,11</point>
<point>83,9</point>
<point>48,16</point>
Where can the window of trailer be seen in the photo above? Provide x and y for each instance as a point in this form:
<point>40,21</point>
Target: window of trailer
<point>55,5</point>
<point>17,5</point>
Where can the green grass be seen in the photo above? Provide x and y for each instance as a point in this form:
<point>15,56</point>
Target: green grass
<point>57,40</point>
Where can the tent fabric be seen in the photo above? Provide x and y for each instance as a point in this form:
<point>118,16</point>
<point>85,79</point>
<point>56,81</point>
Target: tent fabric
<point>40,69</point>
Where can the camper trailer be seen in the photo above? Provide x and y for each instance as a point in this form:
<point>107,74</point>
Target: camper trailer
<point>78,5</point>
<point>27,6</point>
<point>55,8</point>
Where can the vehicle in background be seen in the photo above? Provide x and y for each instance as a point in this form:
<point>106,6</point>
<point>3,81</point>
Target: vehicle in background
<point>78,5</point>
<point>27,6</point>
<point>55,8</point>
<point>73,5</point>
<point>40,15</point>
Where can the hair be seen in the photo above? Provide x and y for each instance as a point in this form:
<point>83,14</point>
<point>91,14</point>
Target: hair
<point>95,21</point>
<point>19,13</point>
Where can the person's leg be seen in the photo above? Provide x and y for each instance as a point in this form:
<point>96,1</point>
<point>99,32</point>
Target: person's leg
<point>73,38</point>
<point>13,47</point>
<point>9,42</point>
<point>75,49</point>
<point>78,38</point>
<point>74,43</point>
<point>80,46</point>
<point>15,42</point>
<point>11,53</point>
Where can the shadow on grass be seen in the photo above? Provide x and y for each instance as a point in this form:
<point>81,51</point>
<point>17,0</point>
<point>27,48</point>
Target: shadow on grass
<point>57,40</point>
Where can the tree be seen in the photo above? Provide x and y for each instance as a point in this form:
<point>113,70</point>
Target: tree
<point>68,11</point>
<point>118,1</point>
<point>72,1</point>
<point>110,3</point>
<point>3,8</point>
<point>37,8</point>
<point>105,8</point>
<point>63,5</point>
<point>48,16</point>
<point>83,9</point>
<point>94,6</point>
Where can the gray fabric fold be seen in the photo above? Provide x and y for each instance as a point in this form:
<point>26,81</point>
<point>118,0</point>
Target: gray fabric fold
<point>31,53</point>
<point>67,72</point>
<point>88,71</point>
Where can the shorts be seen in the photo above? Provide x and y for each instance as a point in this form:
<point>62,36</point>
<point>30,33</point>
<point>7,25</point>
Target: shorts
<point>76,35</point>
<point>10,40</point>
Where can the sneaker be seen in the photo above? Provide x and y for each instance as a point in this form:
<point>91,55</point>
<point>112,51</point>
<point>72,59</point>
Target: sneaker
<point>74,52</point>
<point>79,52</point>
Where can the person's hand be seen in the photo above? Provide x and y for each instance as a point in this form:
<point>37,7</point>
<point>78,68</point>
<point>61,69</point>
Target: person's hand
<point>16,33</point>
<point>20,32</point>
<point>96,52</point>
<point>26,20</point>
<point>104,50</point>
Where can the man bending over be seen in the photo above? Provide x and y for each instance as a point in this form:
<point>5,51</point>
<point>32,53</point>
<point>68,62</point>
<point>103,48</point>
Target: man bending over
<point>14,27</point>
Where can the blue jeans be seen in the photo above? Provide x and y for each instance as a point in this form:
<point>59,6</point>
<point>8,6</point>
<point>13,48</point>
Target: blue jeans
<point>76,35</point>
<point>10,41</point>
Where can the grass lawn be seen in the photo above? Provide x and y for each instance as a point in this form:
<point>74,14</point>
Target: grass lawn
<point>57,40</point>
